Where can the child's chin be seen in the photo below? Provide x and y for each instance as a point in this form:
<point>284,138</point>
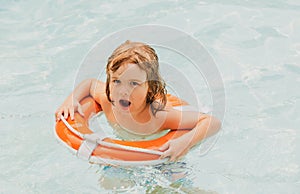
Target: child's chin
<point>123,108</point>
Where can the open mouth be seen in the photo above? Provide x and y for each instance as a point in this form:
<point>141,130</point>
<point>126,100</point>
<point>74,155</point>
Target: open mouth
<point>125,103</point>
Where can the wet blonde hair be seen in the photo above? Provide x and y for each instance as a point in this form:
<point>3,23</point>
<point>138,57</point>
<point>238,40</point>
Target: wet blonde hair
<point>146,59</point>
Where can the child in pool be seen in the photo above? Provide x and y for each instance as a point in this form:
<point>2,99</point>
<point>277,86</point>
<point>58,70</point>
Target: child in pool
<point>134,98</point>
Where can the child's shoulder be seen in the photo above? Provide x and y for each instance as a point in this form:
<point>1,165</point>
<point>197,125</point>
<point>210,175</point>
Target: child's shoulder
<point>97,90</point>
<point>99,84</point>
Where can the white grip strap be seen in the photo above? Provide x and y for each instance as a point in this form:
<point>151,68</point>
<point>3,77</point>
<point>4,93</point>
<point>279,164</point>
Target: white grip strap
<point>91,141</point>
<point>89,144</point>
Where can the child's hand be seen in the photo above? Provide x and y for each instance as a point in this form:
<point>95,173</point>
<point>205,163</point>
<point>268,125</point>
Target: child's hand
<point>175,148</point>
<point>68,107</point>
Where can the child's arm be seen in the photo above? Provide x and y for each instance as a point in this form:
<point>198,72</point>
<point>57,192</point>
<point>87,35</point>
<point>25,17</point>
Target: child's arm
<point>202,126</point>
<point>71,104</point>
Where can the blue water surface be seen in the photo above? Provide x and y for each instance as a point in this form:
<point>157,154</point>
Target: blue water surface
<point>255,44</point>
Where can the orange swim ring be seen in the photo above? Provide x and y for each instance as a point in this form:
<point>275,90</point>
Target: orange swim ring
<point>98,148</point>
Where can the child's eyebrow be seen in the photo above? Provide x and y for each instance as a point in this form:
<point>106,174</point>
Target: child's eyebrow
<point>138,80</point>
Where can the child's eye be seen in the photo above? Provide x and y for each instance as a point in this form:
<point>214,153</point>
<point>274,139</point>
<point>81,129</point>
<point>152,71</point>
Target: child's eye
<point>116,81</point>
<point>133,83</point>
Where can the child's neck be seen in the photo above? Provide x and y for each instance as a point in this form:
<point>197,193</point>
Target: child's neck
<point>142,116</point>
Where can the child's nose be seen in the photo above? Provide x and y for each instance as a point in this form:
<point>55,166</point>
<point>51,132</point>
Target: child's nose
<point>124,91</point>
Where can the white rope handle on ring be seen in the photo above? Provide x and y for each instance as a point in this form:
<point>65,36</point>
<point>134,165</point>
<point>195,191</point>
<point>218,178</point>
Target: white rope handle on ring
<point>108,144</point>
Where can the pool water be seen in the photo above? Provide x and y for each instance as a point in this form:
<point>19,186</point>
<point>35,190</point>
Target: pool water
<point>255,44</point>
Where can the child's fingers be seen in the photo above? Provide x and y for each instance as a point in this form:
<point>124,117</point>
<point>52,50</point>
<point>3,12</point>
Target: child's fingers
<point>72,113</point>
<point>57,114</point>
<point>164,147</point>
<point>66,113</point>
<point>173,158</point>
<point>166,154</point>
<point>178,156</point>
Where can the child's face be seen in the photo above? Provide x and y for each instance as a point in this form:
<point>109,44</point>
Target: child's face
<point>128,86</point>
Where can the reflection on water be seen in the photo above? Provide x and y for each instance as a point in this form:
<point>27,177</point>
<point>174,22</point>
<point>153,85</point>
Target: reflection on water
<point>164,178</point>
